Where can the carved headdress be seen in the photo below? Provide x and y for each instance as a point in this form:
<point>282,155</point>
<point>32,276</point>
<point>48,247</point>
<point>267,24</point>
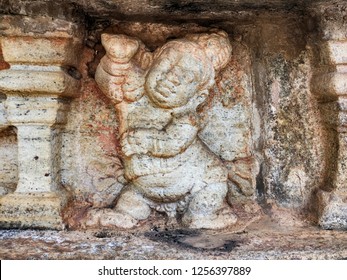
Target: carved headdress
<point>216,46</point>
<point>209,52</point>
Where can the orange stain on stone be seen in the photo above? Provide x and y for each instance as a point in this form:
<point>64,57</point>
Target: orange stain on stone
<point>3,64</point>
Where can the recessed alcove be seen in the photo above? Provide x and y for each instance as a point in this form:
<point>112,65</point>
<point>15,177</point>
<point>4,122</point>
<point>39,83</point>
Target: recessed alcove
<point>273,116</point>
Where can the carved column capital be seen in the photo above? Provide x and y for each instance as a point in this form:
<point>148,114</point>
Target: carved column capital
<point>41,62</point>
<point>42,55</point>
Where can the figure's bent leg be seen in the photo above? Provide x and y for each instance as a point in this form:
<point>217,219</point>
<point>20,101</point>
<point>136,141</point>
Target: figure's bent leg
<point>134,204</point>
<point>207,209</point>
<point>130,208</point>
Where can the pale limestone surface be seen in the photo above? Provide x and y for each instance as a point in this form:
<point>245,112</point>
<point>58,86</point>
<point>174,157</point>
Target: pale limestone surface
<point>9,174</point>
<point>275,115</point>
<point>35,81</point>
<point>3,117</point>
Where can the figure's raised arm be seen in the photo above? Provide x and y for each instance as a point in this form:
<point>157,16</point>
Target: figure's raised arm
<point>121,72</point>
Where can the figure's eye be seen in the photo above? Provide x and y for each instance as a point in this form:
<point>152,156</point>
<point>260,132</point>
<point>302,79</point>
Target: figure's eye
<point>181,75</point>
<point>173,78</point>
<point>188,76</point>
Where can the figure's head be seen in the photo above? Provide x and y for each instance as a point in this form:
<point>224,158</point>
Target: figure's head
<point>183,68</point>
<point>180,69</point>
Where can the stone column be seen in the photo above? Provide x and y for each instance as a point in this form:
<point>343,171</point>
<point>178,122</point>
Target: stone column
<point>41,79</point>
<point>330,85</point>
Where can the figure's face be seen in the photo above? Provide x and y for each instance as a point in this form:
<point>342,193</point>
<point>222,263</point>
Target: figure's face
<point>173,79</point>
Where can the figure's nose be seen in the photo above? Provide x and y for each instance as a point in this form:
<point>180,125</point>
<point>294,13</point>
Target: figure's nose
<point>173,78</point>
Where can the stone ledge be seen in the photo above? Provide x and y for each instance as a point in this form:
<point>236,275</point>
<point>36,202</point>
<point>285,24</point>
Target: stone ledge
<point>38,26</point>
<point>36,110</point>
<point>41,51</point>
<point>39,210</point>
<point>330,85</point>
<point>261,242</point>
<point>151,10</point>
<point>52,81</point>
<point>335,52</point>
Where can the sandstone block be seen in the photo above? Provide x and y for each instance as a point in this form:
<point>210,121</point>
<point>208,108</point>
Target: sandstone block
<point>40,210</point>
<point>42,55</point>
<point>330,85</point>
<point>334,213</point>
<point>3,118</point>
<point>39,26</point>
<point>40,51</point>
<point>38,80</point>
<point>36,110</point>
<point>335,52</point>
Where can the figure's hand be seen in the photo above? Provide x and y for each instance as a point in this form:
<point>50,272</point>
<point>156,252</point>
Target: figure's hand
<point>132,143</point>
<point>133,86</point>
<point>119,74</point>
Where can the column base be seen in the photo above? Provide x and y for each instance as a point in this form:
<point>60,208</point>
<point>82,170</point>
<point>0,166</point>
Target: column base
<point>333,214</point>
<point>33,210</point>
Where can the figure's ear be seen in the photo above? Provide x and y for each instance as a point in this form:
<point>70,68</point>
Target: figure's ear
<point>202,96</point>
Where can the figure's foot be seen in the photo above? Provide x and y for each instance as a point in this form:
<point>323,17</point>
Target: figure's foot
<point>107,218</point>
<point>171,222</point>
<point>92,218</point>
<point>221,219</point>
<point>114,218</point>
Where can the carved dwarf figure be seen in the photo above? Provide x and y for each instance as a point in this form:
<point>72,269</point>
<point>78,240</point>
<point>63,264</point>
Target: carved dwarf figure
<point>156,96</point>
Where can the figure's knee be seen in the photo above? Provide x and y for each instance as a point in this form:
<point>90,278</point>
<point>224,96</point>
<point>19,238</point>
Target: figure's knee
<point>130,208</point>
<point>134,204</point>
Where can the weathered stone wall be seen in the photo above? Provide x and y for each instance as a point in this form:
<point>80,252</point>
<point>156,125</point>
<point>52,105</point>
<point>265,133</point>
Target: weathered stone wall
<point>263,119</point>
<point>290,140</point>
<point>9,160</point>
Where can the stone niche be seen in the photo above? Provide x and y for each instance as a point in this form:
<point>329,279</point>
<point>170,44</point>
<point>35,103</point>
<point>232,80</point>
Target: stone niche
<point>115,114</point>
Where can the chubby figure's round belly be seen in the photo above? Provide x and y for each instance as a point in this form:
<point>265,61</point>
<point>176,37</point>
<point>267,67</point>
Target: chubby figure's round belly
<point>171,179</point>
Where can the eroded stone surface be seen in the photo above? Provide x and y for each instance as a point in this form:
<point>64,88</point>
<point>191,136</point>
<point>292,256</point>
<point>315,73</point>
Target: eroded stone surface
<point>277,144</point>
<point>37,75</point>
<point>8,159</point>
<point>331,69</point>
<point>3,115</point>
<point>294,148</point>
<point>263,240</point>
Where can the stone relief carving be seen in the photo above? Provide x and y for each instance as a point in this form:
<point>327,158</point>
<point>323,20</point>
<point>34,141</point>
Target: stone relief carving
<point>158,97</point>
